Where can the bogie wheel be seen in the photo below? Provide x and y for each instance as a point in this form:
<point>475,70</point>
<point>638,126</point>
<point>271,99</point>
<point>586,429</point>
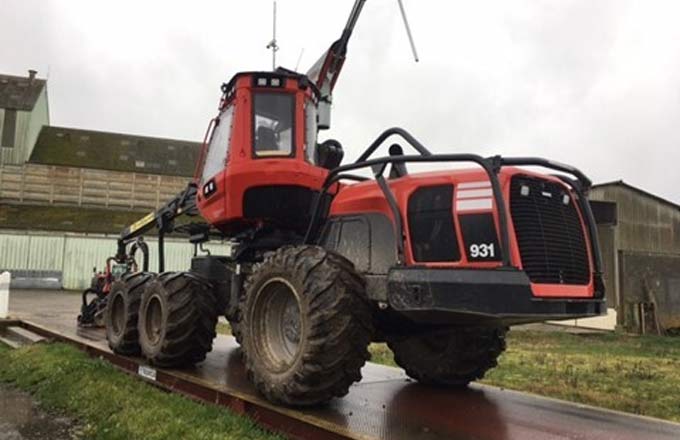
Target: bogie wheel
<point>177,319</point>
<point>122,312</point>
<point>452,359</point>
<point>235,316</point>
<point>306,326</point>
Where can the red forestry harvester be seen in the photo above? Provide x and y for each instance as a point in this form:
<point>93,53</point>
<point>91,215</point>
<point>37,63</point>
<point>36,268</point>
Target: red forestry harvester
<point>323,261</point>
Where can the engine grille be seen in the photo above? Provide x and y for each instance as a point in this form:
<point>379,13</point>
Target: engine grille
<point>549,232</point>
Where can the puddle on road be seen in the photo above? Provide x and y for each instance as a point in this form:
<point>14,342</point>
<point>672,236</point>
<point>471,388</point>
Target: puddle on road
<point>21,419</point>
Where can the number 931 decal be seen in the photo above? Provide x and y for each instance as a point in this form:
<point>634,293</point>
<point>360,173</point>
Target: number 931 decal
<point>479,235</point>
<point>482,251</point>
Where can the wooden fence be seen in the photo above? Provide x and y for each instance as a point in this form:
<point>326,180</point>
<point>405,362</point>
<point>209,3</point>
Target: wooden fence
<point>58,185</point>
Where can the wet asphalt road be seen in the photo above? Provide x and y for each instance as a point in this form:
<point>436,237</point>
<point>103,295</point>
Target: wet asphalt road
<point>384,404</point>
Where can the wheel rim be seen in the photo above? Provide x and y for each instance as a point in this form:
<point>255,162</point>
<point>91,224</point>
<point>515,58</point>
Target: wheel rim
<point>154,320</point>
<point>277,324</point>
<point>118,314</point>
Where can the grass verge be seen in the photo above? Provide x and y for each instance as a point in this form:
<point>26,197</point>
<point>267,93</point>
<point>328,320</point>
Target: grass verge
<point>73,218</point>
<point>112,405</point>
<point>636,374</point>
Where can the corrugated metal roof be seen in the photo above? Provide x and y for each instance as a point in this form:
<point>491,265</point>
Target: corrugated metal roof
<point>20,92</point>
<point>115,151</point>
<point>638,190</point>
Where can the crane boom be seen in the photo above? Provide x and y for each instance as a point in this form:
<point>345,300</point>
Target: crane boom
<point>324,73</point>
<point>163,218</point>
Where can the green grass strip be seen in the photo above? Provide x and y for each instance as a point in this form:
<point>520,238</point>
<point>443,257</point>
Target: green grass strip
<point>112,405</point>
<point>635,374</point>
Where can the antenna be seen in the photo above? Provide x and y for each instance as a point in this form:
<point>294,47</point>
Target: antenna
<point>408,30</point>
<point>272,44</point>
<point>299,59</point>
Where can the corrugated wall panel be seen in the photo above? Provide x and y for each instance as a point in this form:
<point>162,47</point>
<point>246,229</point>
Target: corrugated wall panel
<point>177,255</point>
<point>45,252</point>
<point>13,251</point>
<point>81,255</point>
<point>76,256</point>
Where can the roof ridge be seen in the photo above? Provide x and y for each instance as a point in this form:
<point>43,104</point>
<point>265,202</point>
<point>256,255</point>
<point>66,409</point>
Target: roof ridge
<point>23,77</point>
<point>113,133</point>
<point>82,148</point>
<point>20,92</point>
<point>621,182</point>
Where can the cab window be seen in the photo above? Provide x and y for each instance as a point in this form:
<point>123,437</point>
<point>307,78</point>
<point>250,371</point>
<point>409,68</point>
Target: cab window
<point>273,120</point>
<point>218,147</point>
<point>310,132</point>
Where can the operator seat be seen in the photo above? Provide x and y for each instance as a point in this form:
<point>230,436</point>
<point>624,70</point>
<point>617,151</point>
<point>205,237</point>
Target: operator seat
<point>265,139</point>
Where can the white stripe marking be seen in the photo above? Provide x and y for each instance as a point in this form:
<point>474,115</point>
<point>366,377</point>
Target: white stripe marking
<point>480,184</point>
<point>474,204</point>
<point>474,193</point>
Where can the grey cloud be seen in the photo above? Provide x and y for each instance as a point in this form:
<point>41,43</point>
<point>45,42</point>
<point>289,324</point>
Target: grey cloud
<point>595,84</point>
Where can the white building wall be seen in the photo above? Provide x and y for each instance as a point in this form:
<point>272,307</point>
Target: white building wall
<point>27,128</point>
<point>39,117</point>
<point>76,255</point>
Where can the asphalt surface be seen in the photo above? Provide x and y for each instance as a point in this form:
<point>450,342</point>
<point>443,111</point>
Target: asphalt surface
<point>385,404</point>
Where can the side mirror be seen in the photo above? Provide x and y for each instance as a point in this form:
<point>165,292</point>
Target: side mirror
<point>324,115</point>
<point>329,154</point>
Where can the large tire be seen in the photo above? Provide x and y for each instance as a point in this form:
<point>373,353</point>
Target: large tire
<point>236,316</point>
<point>177,319</point>
<point>306,325</point>
<point>122,312</point>
<point>449,359</point>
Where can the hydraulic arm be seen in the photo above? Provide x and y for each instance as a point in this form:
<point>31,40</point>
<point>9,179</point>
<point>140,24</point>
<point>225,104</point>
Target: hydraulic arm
<point>163,219</point>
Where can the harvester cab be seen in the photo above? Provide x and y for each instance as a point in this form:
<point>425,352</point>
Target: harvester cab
<point>261,163</point>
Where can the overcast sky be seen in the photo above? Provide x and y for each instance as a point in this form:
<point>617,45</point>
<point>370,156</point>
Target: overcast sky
<point>591,83</point>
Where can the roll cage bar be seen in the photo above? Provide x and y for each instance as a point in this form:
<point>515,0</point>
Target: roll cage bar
<point>491,165</point>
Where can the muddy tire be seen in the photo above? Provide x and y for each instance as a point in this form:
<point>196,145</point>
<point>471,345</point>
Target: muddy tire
<point>306,326</point>
<point>177,319</point>
<point>122,312</point>
<point>450,359</point>
<point>235,325</point>
<point>236,316</point>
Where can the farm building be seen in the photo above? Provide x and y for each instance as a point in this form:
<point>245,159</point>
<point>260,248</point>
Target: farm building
<point>88,171</point>
<point>65,193</point>
<point>639,235</point>
<point>56,178</point>
<point>23,112</point>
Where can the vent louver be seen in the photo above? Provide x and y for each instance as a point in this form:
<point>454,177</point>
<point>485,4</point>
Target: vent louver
<point>549,232</point>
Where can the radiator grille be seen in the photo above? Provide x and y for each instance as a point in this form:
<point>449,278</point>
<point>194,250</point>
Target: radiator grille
<point>549,232</point>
